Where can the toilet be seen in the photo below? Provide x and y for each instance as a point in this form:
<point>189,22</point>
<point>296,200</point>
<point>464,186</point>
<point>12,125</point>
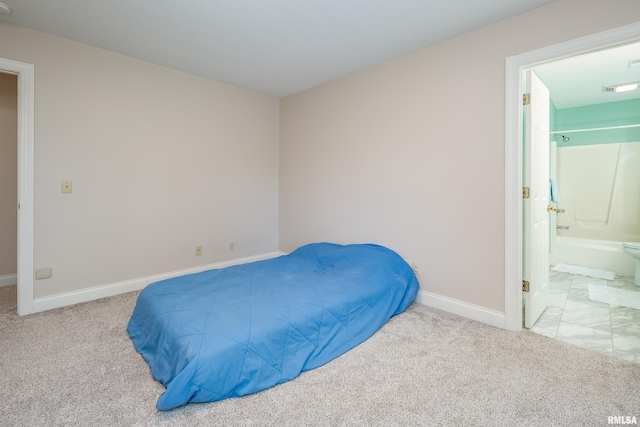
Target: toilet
<point>633,249</point>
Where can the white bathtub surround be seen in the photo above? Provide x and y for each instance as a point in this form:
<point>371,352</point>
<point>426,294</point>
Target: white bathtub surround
<point>599,208</point>
<point>613,296</point>
<point>585,271</point>
<point>599,187</point>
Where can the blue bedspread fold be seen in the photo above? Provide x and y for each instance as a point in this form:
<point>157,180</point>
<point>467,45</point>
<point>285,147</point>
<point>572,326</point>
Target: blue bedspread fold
<point>241,329</point>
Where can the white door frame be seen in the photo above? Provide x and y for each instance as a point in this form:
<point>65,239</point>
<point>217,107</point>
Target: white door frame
<point>515,65</point>
<point>25,200</point>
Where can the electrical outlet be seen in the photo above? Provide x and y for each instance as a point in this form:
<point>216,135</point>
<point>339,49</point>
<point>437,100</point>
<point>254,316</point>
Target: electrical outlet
<point>43,273</point>
<point>198,250</point>
<point>231,246</point>
<point>67,186</point>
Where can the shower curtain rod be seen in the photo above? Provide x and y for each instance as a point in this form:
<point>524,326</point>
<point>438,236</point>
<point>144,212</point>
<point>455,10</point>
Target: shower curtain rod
<point>592,129</point>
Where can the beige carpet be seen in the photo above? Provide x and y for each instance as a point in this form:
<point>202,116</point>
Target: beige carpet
<point>77,367</point>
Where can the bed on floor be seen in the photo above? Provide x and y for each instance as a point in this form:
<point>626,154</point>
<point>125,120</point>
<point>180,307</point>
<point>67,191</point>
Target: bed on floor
<point>241,329</point>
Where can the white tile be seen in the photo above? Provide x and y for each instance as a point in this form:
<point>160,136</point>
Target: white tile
<point>586,337</point>
<point>623,283</point>
<point>557,298</point>
<point>579,295</point>
<point>563,282</point>
<point>547,332</point>
<point>585,314</point>
<point>573,318</point>
<point>625,321</point>
<point>582,282</point>
<point>633,357</point>
<point>627,343</point>
<point>550,318</point>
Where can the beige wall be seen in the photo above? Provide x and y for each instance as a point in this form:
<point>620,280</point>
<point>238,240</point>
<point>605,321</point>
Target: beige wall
<point>8,173</point>
<point>410,153</point>
<point>161,161</point>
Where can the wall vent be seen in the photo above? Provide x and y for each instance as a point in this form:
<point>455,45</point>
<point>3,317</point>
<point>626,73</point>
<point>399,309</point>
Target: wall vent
<point>634,63</point>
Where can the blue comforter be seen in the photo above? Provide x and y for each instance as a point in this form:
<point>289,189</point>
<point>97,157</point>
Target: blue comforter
<point>241,329</point>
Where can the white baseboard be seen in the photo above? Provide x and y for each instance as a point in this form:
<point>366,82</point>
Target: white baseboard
<point>460,308</point>
<point>90,294</point>
<point>8,280</point>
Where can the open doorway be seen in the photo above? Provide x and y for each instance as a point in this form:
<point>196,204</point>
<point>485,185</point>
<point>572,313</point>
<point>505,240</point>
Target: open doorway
<point>8,185</point>
<point>514,166</point>
<point>25,179</point>
<point>596,130</point>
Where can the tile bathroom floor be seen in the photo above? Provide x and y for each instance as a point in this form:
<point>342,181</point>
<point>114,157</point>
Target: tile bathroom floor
<point>573,318</point>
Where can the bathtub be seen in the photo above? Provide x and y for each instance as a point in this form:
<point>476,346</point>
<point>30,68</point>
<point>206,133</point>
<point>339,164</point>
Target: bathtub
<point>600,254</point>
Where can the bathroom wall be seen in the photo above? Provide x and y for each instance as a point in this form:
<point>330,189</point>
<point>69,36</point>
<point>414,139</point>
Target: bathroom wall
<point>607,115</point>
<point>600,191</point>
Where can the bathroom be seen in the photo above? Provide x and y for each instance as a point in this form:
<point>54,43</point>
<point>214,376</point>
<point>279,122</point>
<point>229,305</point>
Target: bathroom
<point>598,177</point>
<point>595,172</point>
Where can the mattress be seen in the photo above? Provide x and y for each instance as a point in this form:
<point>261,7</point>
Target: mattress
<point>238,330</point>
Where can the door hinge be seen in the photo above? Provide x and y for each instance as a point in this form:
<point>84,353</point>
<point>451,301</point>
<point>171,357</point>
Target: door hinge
<point>525,192</point>
<point>525,286</point>
<point>526,99</point>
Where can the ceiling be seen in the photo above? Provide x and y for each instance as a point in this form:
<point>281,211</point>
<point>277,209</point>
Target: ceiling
<point>578,81</point>
<point>275,47</point>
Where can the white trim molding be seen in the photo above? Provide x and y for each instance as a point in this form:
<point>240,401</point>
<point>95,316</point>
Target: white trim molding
<point>460,308</point>
<point>515,65</point>
<point>25,206</point>
<point>90,294</point>
<point>8,280</point>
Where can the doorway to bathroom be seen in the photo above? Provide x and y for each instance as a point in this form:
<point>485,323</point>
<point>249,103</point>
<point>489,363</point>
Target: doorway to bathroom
<point>595,172</point>
<point>569,314</point>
